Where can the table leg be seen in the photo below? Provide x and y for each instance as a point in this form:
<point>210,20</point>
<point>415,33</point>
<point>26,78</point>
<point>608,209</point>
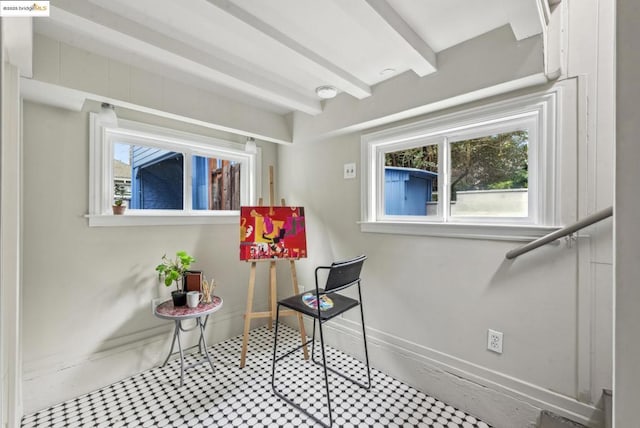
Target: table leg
<point>204,325</point>
<point>173,342</point>
<point>204,342</point>
<point>181,354</point>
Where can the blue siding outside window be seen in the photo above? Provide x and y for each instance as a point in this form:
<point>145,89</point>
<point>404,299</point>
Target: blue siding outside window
<point>200,192</point>
<point>157,179</point>
<point>407,190</point>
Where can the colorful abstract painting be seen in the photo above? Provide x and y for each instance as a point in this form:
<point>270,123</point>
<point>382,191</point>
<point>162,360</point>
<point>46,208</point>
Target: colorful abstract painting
<point>272,233</point>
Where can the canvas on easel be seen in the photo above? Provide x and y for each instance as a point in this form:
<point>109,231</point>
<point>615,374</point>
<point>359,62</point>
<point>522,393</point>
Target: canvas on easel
<point>272,233</point>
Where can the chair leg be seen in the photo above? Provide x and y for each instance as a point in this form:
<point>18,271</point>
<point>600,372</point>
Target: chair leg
<point>364,338</point>
<point>326,375</point>
<point>273,374</point>
<point>342,375</point>
<point>313,340</point>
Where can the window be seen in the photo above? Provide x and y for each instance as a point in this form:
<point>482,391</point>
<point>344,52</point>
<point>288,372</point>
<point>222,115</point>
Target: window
<point>168,177</point>
<point>483,172</point>
<point>480,174</point>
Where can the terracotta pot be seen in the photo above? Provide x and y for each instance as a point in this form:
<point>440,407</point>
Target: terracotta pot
<point>118,209</point>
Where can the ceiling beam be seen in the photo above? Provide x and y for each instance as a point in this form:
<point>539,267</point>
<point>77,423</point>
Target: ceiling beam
<point>526,17</point>
<point>74,99</point>
<point>424,58</point>
<point>343,80</point>
<point>499,63</point>
<point>132,37</point>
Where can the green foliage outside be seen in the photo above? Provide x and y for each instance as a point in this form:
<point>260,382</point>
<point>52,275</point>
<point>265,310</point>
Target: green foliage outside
<point>492,162</point>
<point>425,158</point>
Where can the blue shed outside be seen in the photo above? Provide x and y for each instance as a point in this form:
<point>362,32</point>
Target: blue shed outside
<point>407,190</point>
<point>156,179</point>
<point>158,176</point>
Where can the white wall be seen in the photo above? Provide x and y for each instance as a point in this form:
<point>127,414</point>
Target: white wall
<point>87,291</point>
<point>87,320</point>
<point>627,235</point>
<point>429,301</point>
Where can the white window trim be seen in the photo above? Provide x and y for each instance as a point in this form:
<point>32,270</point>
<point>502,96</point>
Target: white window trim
<point>546,107</point>
<point>101,173</point>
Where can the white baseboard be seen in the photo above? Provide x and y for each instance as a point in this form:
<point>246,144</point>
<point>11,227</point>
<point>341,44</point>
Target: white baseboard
<point>52,380</point>
<point>496,398</point>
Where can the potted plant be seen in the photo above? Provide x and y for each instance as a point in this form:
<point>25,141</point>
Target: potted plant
<point>172,270</point>
<point>118,207</point>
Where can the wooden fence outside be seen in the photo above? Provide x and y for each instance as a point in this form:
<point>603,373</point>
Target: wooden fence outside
<point>225,186</point>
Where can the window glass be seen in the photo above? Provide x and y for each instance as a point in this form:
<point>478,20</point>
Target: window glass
<point>156,176</point>
<point>411,182</point>
<point>122,171</point>
<point>216,184</point>
<point>489,176</point>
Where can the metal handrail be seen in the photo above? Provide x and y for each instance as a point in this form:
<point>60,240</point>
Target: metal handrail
<point>568,230</point>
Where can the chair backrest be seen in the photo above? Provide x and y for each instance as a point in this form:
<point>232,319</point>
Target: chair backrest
<point>343,274</point>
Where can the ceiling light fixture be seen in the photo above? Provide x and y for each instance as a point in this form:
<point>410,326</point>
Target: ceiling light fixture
<point>107,115</point>
<point>326,92</point>
<point>250,145</point>
<point>387,71</point>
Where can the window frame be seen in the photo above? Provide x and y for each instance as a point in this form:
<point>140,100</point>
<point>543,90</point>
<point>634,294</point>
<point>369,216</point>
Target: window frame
<point>102,140</point>
<point>543,108</point>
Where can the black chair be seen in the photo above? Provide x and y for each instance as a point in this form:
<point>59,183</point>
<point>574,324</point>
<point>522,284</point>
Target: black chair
<point>341,276</point>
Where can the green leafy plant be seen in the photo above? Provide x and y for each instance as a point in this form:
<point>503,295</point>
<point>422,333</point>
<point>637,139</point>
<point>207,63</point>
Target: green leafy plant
<point>172,270</point>
<point>120,192</point>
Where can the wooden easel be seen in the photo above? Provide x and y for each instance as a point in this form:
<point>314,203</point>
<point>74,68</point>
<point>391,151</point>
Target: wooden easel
<point>271,313</point>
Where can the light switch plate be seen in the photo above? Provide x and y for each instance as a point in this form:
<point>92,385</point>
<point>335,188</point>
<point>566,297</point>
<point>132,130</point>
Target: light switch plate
<point>349,170</point>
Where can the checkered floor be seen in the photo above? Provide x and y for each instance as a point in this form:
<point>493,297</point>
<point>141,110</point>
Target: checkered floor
<point>234,397</point>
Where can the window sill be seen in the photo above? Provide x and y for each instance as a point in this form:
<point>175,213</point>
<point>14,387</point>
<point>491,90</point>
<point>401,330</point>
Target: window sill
<point>495,232</point>
<point>143,219</point>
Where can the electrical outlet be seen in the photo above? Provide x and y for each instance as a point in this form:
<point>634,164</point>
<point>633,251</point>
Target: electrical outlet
<point>349,170</point>
<point>494,341</point>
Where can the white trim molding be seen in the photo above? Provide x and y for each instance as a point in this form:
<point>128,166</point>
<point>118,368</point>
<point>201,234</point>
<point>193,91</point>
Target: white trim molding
<point>11,183</point>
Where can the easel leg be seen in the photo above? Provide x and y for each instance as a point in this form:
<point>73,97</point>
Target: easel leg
<point>273,293</point>
<point>247,313</point>
<point>303,333</point>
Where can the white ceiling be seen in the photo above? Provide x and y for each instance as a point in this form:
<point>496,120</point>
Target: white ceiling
<point>272,54</point>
